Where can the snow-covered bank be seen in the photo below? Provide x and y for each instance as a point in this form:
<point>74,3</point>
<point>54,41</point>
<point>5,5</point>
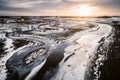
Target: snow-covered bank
<point>81,52</point>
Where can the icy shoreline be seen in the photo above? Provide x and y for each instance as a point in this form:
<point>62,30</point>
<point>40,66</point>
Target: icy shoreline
<point>83,51</point>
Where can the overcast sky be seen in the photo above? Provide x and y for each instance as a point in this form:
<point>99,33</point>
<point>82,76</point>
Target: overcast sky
<point>57,7</point>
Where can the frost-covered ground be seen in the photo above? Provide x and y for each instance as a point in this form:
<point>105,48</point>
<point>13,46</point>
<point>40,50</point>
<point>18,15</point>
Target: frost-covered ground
<point>55,48</point>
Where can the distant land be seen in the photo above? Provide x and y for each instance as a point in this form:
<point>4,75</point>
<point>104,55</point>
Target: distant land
<point>60,16</point>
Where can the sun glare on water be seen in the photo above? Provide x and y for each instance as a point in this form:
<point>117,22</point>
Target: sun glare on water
<point>84,10</point>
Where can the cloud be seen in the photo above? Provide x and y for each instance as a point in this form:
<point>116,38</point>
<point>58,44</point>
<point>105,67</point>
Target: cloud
<point>5,6</point>
<point>46,7</point>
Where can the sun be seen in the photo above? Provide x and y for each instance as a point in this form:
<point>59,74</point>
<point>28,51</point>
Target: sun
<point>84,10</point>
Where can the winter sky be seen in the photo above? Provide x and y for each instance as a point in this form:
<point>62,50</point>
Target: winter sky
<point>59,7</point>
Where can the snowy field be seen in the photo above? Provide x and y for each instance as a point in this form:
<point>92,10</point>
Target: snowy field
<point>55,48</point>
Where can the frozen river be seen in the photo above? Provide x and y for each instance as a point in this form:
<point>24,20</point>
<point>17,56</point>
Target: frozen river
<point>71,49</point>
